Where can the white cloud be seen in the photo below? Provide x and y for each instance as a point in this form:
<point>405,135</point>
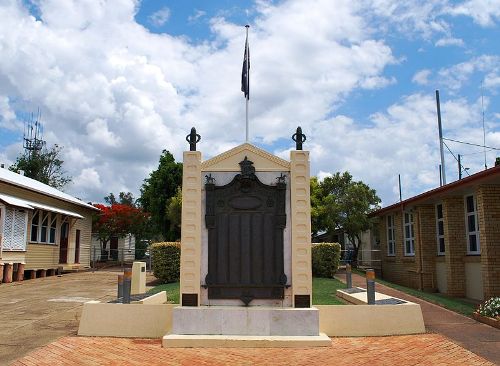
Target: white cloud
<point>456,76</point>
<point>196,16</point>
<point>449,41</point>
<point>115,95</point>
<point>7,114</point>
<point>160,17</point>
<point>492,80</point>
<point>483,12</point>
<point>422,77</point>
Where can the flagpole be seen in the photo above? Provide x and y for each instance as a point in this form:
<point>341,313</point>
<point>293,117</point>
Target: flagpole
<point>248,84</point>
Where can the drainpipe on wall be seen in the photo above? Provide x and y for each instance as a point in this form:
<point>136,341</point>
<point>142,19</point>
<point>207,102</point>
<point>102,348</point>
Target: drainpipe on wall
<point>421,270</point>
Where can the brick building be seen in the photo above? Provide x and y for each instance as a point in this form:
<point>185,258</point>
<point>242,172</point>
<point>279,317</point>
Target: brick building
<point>446,239</point>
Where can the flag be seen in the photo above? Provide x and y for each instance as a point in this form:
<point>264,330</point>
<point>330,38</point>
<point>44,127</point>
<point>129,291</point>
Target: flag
<point>245,72</point>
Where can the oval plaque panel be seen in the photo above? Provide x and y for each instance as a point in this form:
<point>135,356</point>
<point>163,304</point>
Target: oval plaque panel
<point>245,203</point>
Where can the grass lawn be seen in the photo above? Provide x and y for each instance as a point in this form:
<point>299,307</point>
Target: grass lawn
<point>172,290</point>
<point>461,306</point>
<point>324,290</point>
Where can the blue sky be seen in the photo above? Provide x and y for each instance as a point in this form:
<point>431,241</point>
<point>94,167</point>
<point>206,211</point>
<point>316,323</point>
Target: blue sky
<point>117,81</point>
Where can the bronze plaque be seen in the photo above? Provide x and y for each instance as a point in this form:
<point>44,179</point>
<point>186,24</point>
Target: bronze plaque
<point>245,221</point>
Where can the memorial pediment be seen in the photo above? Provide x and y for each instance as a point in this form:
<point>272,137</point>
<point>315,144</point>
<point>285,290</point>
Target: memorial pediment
<point>229,161</point>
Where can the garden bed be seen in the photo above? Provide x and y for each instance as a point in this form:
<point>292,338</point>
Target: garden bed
<point>487,320</point>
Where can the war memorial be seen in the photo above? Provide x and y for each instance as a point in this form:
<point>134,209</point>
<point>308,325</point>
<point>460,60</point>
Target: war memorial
<point>245,271</point>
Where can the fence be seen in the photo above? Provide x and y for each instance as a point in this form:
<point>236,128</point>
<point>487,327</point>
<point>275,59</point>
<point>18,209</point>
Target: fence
<point>369,258</point>
<point>103,258</point>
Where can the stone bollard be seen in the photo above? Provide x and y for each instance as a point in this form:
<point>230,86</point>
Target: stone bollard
<point>127,285</point>
<point>348,275</point>
<point>120,286</point>
<point>370,286</point>
<point>20,271</point>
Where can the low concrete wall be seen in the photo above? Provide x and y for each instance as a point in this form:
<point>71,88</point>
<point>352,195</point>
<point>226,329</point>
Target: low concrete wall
<point>370,320</point>
<point>125,320</point>
<point>159,298</point>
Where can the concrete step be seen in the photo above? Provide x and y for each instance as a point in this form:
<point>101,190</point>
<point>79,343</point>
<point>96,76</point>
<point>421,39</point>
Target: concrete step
<point>240,341</point>
<point>245,321</point>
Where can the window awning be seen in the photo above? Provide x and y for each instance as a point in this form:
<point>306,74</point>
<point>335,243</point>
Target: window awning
<point>14,201</point>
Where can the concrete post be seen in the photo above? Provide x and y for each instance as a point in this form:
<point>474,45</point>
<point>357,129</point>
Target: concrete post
<point>120,286</point>
<point>370,286</point>
<point>348,275</point>
<point>127,285</point>
<point>7,272</point>
<point>20,272</point>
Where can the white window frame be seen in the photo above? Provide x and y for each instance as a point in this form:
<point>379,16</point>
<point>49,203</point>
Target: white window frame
<point>51,217</point>
<point>391,243</point>
<point>411,238</point>
<point>440,236</point>
<point>476,226</point>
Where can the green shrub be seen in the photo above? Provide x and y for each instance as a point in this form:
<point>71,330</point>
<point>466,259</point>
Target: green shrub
<point>166,258</point>
<point>490,308</point>
<point>325,259</point>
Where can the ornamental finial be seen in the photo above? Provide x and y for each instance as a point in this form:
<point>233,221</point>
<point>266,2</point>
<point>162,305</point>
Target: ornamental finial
<point>299,138</point>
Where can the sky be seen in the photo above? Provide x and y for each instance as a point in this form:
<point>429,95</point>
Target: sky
<point>118,81</point>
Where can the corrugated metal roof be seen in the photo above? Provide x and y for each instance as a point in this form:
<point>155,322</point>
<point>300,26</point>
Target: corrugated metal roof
<point>24,182</point>
<point>13,201</point>
<point>18,202</point>
<point>480,177</point>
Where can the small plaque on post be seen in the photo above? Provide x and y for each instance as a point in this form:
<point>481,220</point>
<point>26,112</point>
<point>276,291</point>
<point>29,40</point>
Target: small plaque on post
<point>189,299</point>
<point>302,301</point>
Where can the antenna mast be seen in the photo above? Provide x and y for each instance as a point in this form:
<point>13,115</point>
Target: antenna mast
<point>443,169</point>
<point>484,131</point>
<point>32,138</point>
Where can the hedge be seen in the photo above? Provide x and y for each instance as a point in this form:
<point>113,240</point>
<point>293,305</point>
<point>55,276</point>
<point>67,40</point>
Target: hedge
<point>166,258</point>
<point>325,259</point>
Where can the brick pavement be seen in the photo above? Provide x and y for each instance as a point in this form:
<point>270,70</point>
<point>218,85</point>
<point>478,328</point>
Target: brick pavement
<point>423,349</point>
<point>464,331</point>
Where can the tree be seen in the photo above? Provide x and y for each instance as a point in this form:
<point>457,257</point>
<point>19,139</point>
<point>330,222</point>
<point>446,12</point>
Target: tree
<point>156,190</point>
<point>44,166</point>
<point>123,199</point>
<point>174,213</point>
<point>117,220</point>
<point>338,202</point>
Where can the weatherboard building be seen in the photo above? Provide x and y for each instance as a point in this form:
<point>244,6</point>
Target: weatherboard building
<point>42,230</point>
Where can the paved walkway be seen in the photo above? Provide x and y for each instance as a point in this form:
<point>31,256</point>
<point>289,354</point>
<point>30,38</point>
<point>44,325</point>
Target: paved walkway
<point>466,332</point>
<point>423,349</point>
<point>36,312</point>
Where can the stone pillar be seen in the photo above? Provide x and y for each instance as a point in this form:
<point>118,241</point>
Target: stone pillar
<point>191,229</point>
<point>43,273</point>
<point>7,272</point>
<point>32,274</point>
<point>1,272</point>
<point>488,205</point>
<point>300,211</point>
<point>455,244</point>
<point>426,246</point>
<point>20,272</point>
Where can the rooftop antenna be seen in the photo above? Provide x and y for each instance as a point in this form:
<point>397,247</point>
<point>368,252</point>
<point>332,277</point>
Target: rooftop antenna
<point>443,169</point>
<point>32,138</point>
<point>484,131</point>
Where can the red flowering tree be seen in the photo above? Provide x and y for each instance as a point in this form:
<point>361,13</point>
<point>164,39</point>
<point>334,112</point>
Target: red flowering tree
<point>118,220</point>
